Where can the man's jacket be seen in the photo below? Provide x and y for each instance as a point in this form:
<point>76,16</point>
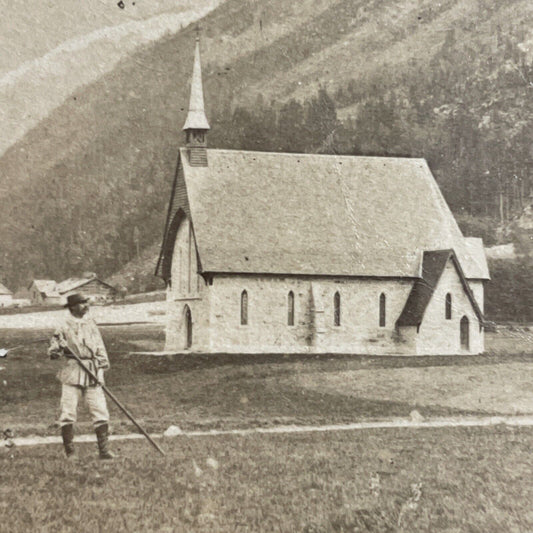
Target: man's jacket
<point>80,336</point>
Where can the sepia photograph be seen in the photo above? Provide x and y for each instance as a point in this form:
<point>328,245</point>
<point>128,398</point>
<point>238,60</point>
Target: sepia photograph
<point>266,266</point>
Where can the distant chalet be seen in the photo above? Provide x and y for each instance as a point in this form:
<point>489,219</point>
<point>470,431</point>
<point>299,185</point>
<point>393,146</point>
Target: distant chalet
<point>276,252</point>
<point>49,292</point>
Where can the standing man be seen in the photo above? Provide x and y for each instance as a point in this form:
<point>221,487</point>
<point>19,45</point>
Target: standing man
<point>79,334</point>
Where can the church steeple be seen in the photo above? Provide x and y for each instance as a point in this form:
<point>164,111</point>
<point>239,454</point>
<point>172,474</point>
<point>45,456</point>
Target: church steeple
<point>196,125</point>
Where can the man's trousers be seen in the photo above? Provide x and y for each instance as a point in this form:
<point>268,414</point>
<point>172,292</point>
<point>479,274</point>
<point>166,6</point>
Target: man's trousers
<point>95,399</point>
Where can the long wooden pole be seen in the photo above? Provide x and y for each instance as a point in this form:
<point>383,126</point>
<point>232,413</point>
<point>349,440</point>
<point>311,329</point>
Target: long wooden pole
<point>118,404</point>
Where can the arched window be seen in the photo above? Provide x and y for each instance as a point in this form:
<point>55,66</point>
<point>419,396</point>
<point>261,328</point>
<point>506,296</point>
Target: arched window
<point>465,333</point>
<point>448,306</point>
<point>337,309</point>
<point>188,328</point>
<point>244,308</point>
<point>382,311</point>
<point>180,272</point>
<point>290,310</point>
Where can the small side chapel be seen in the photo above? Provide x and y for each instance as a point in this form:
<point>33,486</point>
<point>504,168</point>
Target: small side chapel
<point>304,253</point>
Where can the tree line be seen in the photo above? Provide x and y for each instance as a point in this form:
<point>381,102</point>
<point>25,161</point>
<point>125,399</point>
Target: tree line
<point>468,114</point>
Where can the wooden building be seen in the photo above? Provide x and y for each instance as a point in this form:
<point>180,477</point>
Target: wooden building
<point>44,292</point>
<point>91,286</point>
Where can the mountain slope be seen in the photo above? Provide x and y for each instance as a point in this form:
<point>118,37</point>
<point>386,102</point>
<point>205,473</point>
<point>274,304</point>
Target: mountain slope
<point>75,188</point>
<point>41,84</point>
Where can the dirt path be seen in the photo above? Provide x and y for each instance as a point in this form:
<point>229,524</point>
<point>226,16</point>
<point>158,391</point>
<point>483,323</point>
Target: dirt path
<point>383,424</point>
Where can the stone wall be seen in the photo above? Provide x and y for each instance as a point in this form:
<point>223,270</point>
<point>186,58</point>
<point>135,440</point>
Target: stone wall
<point>187,290</point>
<point>215,310</point>
<point>438,335</point>
<point>314,330</point>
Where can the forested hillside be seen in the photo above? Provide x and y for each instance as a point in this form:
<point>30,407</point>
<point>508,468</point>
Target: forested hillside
<point>451,82</point>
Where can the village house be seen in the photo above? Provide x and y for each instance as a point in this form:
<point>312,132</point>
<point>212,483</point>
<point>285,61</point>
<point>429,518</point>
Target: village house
<point>6,296</point>
<point>49,292</point>
<point>95,289</point>
<point>283,252</point>
<point>21,298</point>
<point>44,292</point>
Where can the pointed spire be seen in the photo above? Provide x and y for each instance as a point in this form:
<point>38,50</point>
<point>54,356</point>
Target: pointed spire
<point>196,119</point>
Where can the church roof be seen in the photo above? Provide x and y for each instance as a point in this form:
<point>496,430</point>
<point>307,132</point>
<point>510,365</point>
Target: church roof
<point>433,265</point>
<point>280,213</point>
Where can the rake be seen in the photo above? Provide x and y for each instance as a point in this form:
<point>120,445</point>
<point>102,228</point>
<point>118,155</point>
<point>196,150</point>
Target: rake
<point>5,351</point>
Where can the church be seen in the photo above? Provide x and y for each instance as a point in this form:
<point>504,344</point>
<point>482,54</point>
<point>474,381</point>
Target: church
<point>306,253</point>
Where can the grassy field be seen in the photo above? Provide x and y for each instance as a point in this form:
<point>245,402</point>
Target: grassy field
<point>449,480</point>
<point>226,391</point>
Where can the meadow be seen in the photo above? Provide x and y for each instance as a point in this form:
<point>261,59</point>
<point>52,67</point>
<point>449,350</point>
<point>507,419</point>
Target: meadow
<point>397,479</point>
<point>442,480</point>
<point>235,391</point>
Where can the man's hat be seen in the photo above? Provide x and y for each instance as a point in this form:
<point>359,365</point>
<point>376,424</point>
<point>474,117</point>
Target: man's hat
<point>76,298</point>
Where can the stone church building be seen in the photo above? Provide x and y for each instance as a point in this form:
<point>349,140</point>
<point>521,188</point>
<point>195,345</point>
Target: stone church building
<point>295,253</point>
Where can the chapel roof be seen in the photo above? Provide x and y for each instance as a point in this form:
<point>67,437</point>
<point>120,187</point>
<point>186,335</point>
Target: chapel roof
<point>308,214</point>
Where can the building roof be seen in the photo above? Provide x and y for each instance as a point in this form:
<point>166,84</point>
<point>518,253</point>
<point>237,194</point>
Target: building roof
<point>46,286</point>
<point>279,213</point>
<point>71,284</point>
<point>433,265</point>
<point>4,291</point>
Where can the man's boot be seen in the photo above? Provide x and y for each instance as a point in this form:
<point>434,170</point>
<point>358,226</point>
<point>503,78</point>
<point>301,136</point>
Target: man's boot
<point>67,432</point>
<point>102,437</point>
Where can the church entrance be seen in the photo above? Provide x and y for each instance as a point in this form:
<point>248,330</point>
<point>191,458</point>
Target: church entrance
<point>188,327</point>
<point>465,333</point>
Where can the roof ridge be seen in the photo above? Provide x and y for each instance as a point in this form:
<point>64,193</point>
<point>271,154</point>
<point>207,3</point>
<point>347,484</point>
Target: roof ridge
<point>306,154</point>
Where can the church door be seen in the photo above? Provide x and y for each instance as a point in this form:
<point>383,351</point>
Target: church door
<point>188,328</point>
<point>465,333</point>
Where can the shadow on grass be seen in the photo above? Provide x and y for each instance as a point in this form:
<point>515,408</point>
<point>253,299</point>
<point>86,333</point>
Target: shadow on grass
<point>257,403</point>
<point>217,389</point>
<point>315,362</point>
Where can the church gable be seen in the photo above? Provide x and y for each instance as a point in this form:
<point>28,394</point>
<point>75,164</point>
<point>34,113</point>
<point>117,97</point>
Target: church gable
<point>434,265</point>
<point>452,321</point>
<point>178,209</point>
<point>184,275</point>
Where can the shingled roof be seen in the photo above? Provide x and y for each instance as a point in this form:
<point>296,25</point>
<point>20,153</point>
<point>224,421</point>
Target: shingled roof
<point>279,213</point>
<point>433,265</point>
<point>71,284</point>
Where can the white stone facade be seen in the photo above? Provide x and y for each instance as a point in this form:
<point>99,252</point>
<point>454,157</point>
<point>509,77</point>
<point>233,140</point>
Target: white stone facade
<point>439,335</point>
<point>313,253</point>
<point>215,310</point>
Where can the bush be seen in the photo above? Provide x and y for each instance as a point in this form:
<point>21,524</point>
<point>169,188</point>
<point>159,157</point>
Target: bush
<point>484,227</point>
